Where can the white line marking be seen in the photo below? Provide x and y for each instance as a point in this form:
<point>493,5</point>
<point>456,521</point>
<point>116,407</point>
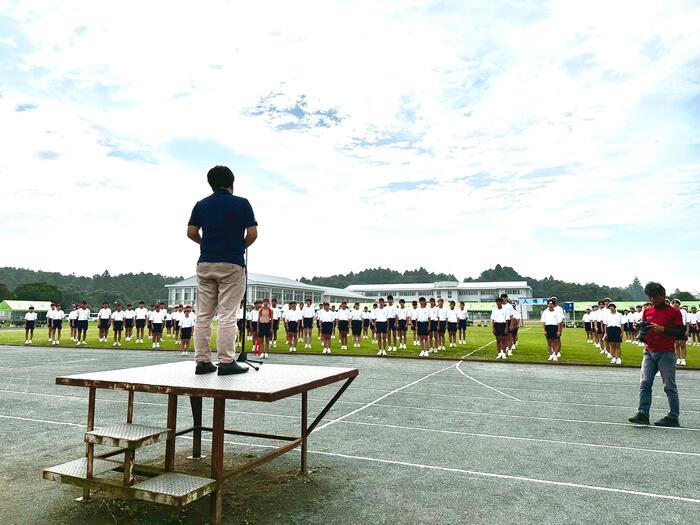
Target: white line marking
<point>483,384</point>
<point>476,380</point>
<point>537,418</point>
<point>485,474</point>
<point>480,348</point>
<point>380,398</point>
<point>41,421</point>
<point>385,405</point>
<point>516,438</point>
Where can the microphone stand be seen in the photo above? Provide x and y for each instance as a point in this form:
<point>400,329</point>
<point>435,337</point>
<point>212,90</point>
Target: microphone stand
<point>243,356</point>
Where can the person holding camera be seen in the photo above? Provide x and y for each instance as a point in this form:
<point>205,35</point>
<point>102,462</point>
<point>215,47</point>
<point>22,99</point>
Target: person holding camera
<point>661,325</point>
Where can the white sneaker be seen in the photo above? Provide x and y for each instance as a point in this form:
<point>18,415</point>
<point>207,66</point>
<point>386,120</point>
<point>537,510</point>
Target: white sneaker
<point>682,362</point>
<point>619,360</point>
<point>84,342</point>
<point>77,343</point>
<point>555,359</point>
<point>379,353</point>
<point>510,352</point>
<point>115,343</point>
<point>551,357</point>
<point>153,345</point>
<point>678,361</point>
<point>558,355</point>
<point>613,361</point>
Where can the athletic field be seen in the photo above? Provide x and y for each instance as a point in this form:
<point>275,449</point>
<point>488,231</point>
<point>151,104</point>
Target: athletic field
<point>480,345</point>
<point>410,442</point>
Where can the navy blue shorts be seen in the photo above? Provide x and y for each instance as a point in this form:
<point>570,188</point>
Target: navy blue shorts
<point>380,327</point>
<point>327,328</point>
<point>452,327</point>
<point>433,326</point>
<point>118,326</point>
<point>81,325</point>
<point>499,329</point>
<point>264,329</point>
<point>462,323</point>
<point>157,328</point>
<point>140,323</point>
<point>186,333</point>
<point>552,331</point>
<point>343,326</point>
<point>588,327</point>
<point>402,325</point>
<point>104,324</point>
<point>356,327</point>
<point>308,322</point>
<point>422,328</point>
<point>292,327</point>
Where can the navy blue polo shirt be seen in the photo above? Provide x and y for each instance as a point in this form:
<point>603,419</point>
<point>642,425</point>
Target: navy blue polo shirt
<point>223,218</point>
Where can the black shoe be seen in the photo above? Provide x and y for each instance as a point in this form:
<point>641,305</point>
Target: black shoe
<point>639,419</point>
<point>667,421</point>
<point>204,368</point>
<point>227,369</point>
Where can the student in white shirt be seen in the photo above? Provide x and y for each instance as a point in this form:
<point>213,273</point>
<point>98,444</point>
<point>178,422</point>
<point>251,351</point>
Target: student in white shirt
<point>103,317</point>
<point>442,324</point>
<point>588,326</point>
<point>140,315</point>
<point>117,319</point>
<point>58,316</point>
<point>414,323</point>
<point>29,324</point>
<point>308,314</point>
<point>169,322</point>
<point>613,334</point>
<point>366,321</point>
<point>693,326</point>
<point>452,324</point>
<point>681,341</point>
<point>157,322</point>
<point>128,322</point>
<point>327,321</point>
<point>72,316</point>
<point>391,323</point>
<point>239,325</point>
<point>381,322</point>
<point>402,320</point>
<point>371,323</point>
<point>49,321</point>
<point>178,314</point>
<point>356,317</point>
<point>433,329</point>
<point>81,323</point>
<point>187,320</point>
<point>552,321</point>
<point>343,317</point>
<point>499,323</point>
<point>509,318</point>
<point>276,316</point>
<point>462,316</point>
<point>292,320</point>
<point>515,322</point>
<point>421,315</point>
<point>149,321</point>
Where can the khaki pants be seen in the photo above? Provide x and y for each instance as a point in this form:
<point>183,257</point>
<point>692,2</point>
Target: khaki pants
<point>219,286</point>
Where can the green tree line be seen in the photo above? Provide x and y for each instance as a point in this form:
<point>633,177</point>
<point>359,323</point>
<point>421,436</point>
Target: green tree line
<point>24,284</point>
<point>546,287</point>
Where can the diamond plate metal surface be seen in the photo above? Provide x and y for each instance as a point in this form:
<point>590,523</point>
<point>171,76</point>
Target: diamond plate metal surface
<point>78,468</point>
<point>173,484</point>
<point>272,381</point>
<point>127,432</point>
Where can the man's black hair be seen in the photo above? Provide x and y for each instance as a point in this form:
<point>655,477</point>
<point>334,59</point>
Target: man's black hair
<point>653,288</point>
<point>220,177</point>
<point>389,297</point>
<point>504,296</point>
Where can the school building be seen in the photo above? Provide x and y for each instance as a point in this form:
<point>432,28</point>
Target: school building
<point>449,290</point>
<point>261,286</point>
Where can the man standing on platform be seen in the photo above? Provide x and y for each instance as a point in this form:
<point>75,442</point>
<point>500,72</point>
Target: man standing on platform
<point>228,228</point>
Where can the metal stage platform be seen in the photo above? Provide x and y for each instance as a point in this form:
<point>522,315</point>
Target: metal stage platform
<point>271,383</point>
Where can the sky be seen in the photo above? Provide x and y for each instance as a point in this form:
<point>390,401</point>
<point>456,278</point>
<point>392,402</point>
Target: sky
<point>560,138</point>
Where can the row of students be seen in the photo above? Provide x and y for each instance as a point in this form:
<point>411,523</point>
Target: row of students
<point>387,322</point>
<point>156,319</point>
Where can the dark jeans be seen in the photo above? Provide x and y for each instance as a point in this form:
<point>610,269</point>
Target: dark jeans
<point>665,363</point>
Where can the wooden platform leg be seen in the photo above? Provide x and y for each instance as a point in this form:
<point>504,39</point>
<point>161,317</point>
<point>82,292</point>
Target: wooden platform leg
<point>129,455</point>
<point>172,426</point>
<point>217,459</point>
<point>196,405</point>
<point>89,447</point>
<point>304,432</point>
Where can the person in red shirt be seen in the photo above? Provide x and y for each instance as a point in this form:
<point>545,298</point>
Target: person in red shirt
<point>664,324</point>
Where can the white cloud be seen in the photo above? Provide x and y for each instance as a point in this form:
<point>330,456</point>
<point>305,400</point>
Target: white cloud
<point>522,122</point>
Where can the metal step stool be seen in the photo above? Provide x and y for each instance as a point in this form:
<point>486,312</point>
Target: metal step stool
<point>127,435</point>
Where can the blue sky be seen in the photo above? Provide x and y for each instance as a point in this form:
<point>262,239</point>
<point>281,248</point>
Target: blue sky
<point>561,138</point>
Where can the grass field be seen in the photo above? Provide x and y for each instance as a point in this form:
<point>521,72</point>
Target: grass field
<point>479,347</point>
<point>410,442</point>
